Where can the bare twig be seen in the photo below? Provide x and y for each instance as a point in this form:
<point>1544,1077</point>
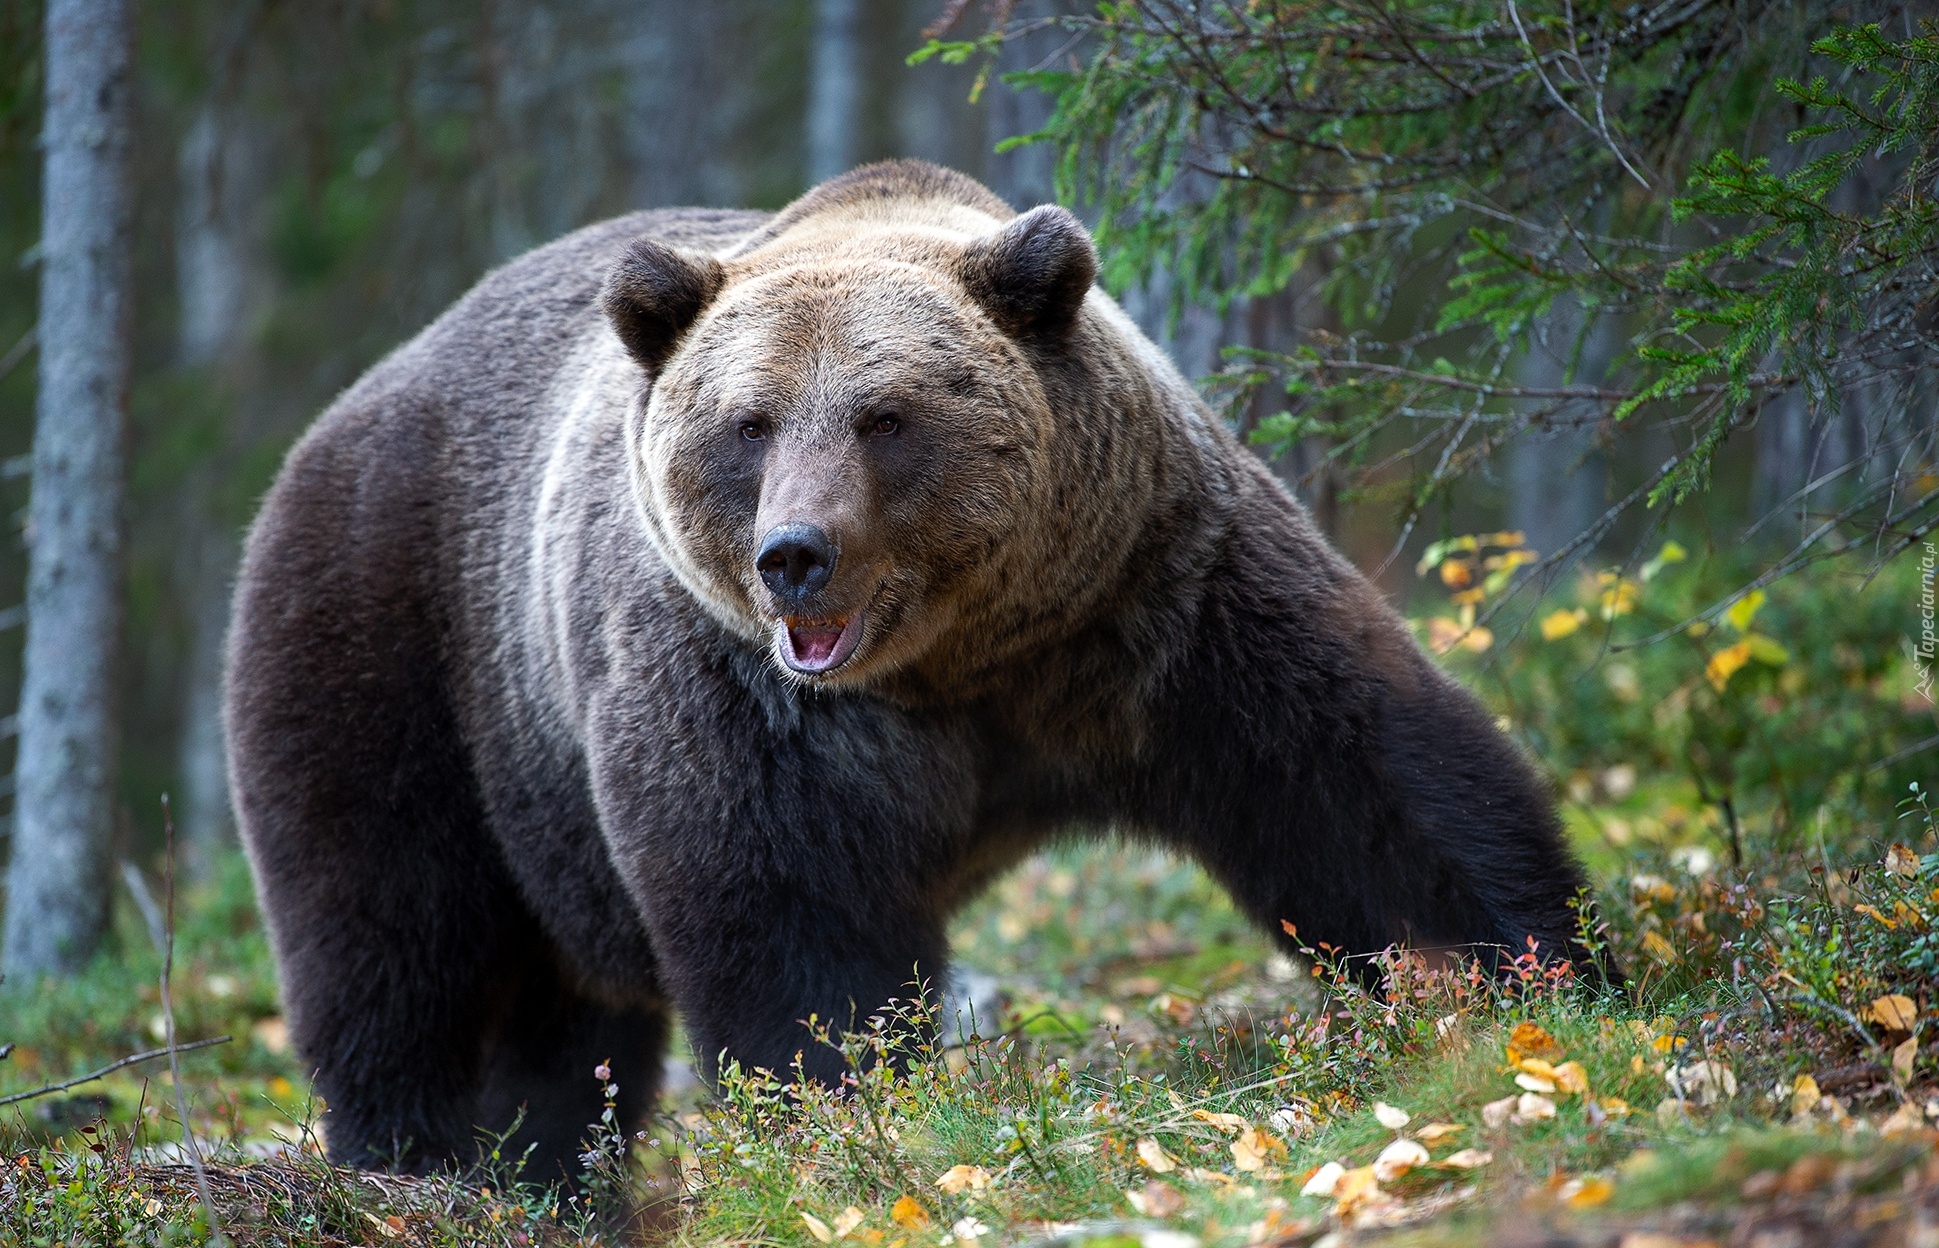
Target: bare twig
<point>131,1060</point>
<point>1535,63</point>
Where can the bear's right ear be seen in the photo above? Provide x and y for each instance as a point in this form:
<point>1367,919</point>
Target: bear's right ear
<point>654,293</point>
<point>1031,276</point>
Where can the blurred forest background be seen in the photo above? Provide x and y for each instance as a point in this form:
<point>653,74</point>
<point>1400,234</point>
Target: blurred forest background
<point>316,181</point>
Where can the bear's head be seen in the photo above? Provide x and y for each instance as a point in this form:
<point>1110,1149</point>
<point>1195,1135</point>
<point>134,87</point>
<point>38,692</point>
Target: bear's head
<point>848,450</point>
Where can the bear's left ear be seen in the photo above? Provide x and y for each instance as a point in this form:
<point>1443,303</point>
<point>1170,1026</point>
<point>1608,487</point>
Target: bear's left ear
<point>654,293</point>
<point>1032,275</point>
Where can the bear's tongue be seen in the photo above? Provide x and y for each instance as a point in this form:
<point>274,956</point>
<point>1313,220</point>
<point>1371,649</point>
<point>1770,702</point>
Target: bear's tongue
<point>817,645</point>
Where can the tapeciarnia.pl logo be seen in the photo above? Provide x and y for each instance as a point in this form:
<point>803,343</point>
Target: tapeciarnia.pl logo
<point>1925,648</point>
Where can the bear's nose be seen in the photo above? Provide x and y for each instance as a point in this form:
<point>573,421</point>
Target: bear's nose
<point>796,561</point>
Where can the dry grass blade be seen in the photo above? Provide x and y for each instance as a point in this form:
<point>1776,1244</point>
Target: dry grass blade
<point>189,1144</point>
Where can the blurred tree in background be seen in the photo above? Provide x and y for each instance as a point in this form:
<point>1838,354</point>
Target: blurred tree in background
<point>314,182</point>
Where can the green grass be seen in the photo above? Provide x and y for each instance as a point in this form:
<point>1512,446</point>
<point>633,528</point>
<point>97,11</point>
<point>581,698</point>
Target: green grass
<point>1140,1007</point>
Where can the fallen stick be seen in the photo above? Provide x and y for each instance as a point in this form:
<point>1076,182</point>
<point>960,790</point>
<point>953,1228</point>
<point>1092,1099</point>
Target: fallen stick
<point>109,1069</point>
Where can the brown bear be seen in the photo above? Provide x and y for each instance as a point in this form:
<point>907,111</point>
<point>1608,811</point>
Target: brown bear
<point>709,604</point>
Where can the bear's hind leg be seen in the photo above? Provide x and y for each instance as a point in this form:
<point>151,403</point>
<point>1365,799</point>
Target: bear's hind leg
<point>538,1064</point>
<point>389,985</point>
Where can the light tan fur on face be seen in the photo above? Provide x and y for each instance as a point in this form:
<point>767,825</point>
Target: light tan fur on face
<point>1019,522</point>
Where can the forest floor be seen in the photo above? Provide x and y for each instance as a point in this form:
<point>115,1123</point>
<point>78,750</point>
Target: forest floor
<point>1157,1077</point>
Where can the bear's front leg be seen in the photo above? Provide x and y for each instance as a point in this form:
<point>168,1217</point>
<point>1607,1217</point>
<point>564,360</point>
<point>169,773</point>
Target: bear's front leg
<point>1332,777</point>
<point>759,958</point>
<point>783,876</point>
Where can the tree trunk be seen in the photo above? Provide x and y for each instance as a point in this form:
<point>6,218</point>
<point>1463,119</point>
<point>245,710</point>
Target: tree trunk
<point>220,283</point>
<point>57,884</point>
<point>1559,477</point>
<point>835,89</point>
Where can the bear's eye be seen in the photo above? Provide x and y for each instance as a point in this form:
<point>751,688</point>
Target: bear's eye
<point>752,431</point>
<point>885,426</point>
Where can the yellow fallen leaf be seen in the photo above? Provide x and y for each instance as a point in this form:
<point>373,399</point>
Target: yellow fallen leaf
<point>1559,624</point>
<point>1572,1078</point>
<point>1663,951</point>
<point>1390,1117</point>
<point>1323,1180</point>
<point>1467,1159</point>
<point>959,1178</point>
<point>1537,1067</point>
<point>846,1221</point>
<point>1906,1120</point>
<point>908,1213</point>
<point>1530,1106</point>
<point>1534,1083</point>
<point>1397,1159</point>
<point>818,1228</point>
<point>1704,1082</point>
<point>1435,1132</point>
<point>1614,1106</point>
<point>1589,1193</point>
<point>1224,1122</point>
<point>1153,1154</point>
<point>1531,1040</point>
<point>1209,1176</point>
<point>1902,1058</point>
<point>1254,1149</point>
<point>1893,1012</point>
<point>1804,1094</point>
<point>151,1207</point>
<point>1901,861</point>
<point>1725,663</point>
<point>1355,1187</point>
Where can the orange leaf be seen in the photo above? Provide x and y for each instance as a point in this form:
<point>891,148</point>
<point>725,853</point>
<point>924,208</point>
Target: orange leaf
<point>1529,1040</point>
<point>909,1213</point>
<point>1590,1193</point>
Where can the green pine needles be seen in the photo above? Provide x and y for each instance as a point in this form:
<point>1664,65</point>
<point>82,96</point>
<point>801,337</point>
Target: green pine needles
<point>1739,195</point>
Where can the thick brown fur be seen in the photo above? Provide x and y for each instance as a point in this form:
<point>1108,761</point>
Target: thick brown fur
<point>520,764</point>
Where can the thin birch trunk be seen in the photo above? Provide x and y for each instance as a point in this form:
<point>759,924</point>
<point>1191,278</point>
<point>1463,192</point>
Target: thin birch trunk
<point>57,885</point>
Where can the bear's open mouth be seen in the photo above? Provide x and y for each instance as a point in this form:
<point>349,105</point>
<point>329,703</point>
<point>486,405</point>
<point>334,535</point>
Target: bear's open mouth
<point>816,646</point>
